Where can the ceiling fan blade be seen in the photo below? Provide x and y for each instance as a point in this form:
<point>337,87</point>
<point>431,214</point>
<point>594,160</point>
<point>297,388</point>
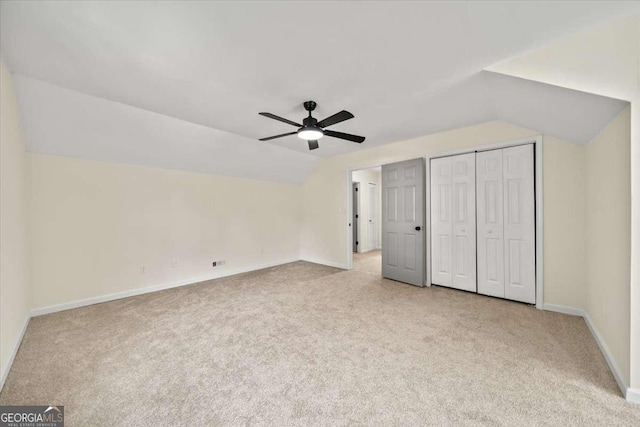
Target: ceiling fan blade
<point>347,136</point>
<point>278,136</point>
<point>336,118</point>
<point>274,117</point>
<point>313,145</point>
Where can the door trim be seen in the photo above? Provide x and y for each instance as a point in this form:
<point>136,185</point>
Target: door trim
<point>377,197</point>
<point>539,238</point>
<point>356,221</point>
<point>349,212</point>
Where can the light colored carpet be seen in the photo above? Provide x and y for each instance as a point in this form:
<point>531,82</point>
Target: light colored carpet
<point>368,262</point>
<point>303,344</point>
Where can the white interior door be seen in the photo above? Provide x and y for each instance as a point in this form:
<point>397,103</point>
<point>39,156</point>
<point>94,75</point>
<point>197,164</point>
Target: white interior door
<point>490,224</point>
<point>453,222</point>
<point>373,216</point>
<point>463,208</point>
<point>441,223</point>
<point>402,221</point>
<point>519,224</point>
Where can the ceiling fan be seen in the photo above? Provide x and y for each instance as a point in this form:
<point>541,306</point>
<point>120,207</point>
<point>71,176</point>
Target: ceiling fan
<point>312,130</point>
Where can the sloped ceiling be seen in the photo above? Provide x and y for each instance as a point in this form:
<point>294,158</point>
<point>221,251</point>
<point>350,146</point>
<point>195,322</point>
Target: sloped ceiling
<point>179,84</point>
<point>64,122</point>
<point>564,113</point>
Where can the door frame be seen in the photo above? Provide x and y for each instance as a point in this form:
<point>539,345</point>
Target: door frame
<point>356,221</point>
<point>373,247</point>
<point>348,228</point>
<point>538,158</point>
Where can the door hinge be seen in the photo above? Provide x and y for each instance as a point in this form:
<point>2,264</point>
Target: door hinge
<point>356,215</point>
<point>356,243</point>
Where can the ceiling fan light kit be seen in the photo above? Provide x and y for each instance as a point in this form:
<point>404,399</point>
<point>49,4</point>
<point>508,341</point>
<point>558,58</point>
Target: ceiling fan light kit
<point>310,133</point>
<point>311,130</point>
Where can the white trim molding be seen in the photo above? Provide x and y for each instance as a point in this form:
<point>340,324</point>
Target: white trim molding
<point>539,196</point>
<point>607,354</point>
<point>16,347</point>
<point>327,263</point>
<point>632,395</point>
<point>126,294</point>
<point>563,309</point>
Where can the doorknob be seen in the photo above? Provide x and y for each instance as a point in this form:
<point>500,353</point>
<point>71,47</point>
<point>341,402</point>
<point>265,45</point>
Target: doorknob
<point>418,228</point>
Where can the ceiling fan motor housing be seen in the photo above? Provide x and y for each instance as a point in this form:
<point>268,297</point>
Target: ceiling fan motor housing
<point>309,121</point>
<point>309,129</point>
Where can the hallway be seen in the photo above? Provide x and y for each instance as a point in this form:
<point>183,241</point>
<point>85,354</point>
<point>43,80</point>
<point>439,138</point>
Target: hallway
<point>368,262</point>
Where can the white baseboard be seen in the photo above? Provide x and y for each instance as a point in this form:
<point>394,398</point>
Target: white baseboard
<point>607,355</point>
<point>630,394</point>
<point>327,263</point>
<point>16,346</point>
<point>126,294</point>
<point>633,395</point>
<point>563,309</point>
<point>370,250</point>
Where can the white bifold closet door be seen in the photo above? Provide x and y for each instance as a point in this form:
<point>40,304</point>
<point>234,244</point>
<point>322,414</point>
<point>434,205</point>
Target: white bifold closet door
<point>506,223</point>
<point>453,222</point>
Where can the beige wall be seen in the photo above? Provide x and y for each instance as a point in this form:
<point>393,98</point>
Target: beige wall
<point>608,230</point>
<point>324,197</point>
<point>95,224</point>
<point>365,177</point>
<point>14,273</point>
<point>604,61</point>
<point>564,223</point>
<point>324,237</point>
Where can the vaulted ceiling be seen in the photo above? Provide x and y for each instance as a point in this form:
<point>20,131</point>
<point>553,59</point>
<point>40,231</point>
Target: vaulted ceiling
<point>179,84</point>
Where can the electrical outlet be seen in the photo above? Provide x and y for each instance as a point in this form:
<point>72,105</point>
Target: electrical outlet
<point>218,263</point>
<point>143,269</point>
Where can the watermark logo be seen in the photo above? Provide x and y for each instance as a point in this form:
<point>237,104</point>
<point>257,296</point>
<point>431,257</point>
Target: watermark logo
<point>32,416</point>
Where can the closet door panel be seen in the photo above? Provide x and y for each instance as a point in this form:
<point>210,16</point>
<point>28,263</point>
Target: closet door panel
<point>519,224</point>
<point>441,223</point>
<point>490,224</point>
<point>463,178</point>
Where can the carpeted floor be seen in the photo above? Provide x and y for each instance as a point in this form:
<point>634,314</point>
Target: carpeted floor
<point>302,344</point>
<point>368,262</point>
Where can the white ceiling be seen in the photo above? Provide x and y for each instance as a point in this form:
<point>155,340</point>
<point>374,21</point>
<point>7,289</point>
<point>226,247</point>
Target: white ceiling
<point>552,110</point>
<point>64,122</point>
<point>404,69</point>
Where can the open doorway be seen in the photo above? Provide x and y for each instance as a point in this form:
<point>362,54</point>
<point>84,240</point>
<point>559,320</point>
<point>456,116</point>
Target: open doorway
<point>366,213</point>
